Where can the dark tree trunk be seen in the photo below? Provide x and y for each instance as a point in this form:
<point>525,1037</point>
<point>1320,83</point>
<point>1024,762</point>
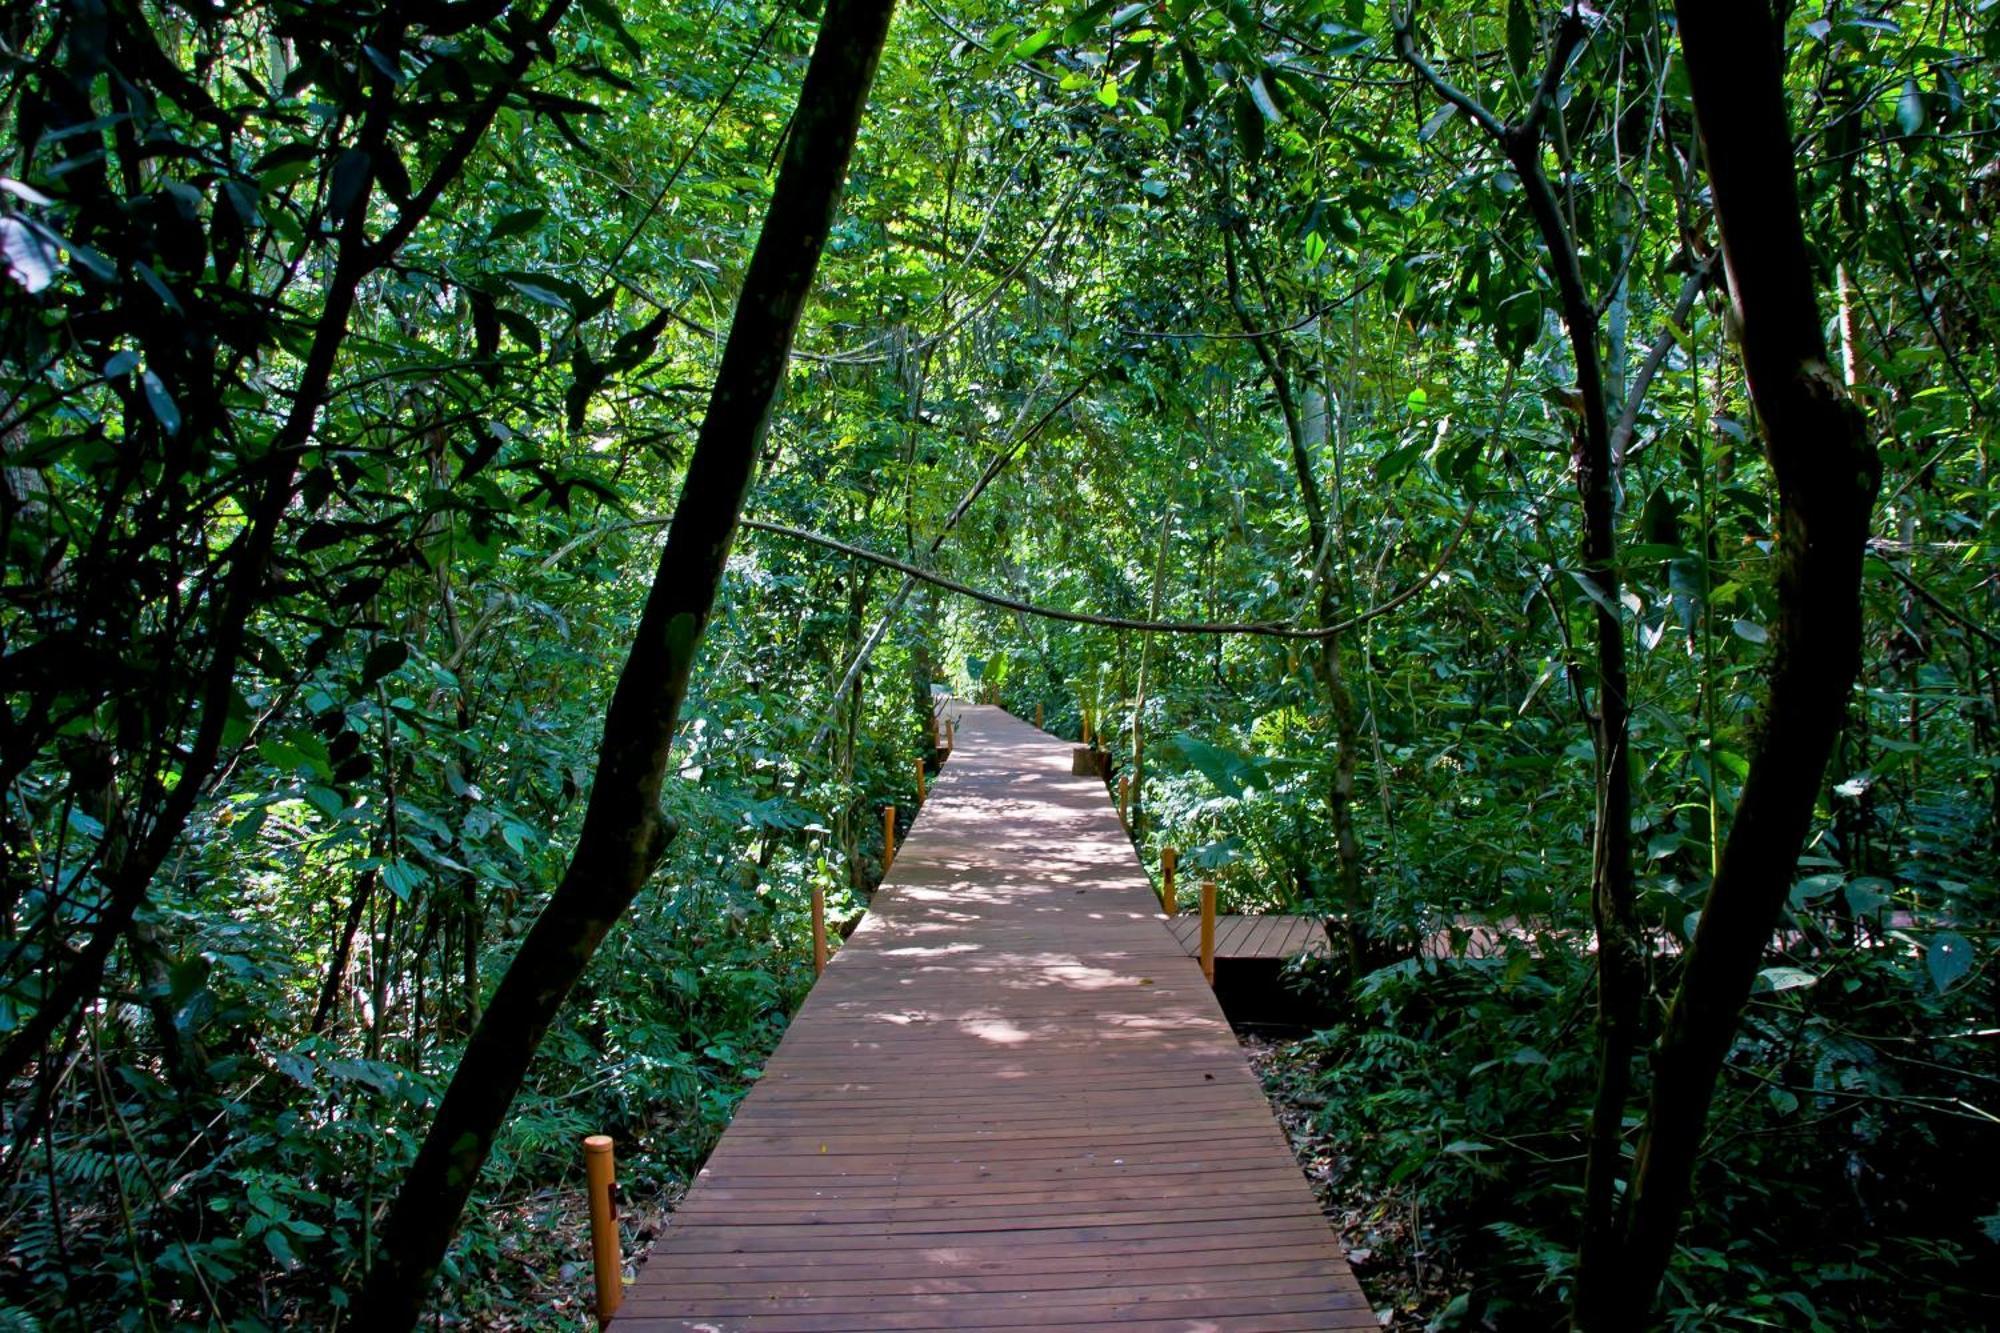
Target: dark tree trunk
<point>624,832</point>
<point>1828,475</point>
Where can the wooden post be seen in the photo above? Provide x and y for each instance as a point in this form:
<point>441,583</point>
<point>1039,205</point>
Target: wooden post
<point>920,781</point>
<point>1125,800</point>
<point>888,837</point>
<point>1038,715</point>
<point>1208,931</point>
<point>606,1258</point>
<point>1168,859</point>
<point>819,930</point>
<point>950,735</point>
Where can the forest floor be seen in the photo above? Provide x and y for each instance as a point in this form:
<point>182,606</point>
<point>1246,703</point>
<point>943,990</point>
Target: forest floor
<point>549,1286</point>
<point>1383,1235</point>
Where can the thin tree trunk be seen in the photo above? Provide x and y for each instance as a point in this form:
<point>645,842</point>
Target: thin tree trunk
<point>1828,475</point>
<point>343,954</point>
<point>624,831</point>
<point>1145,660</point>
<point>1620,964</point>
<point>1326,661</point>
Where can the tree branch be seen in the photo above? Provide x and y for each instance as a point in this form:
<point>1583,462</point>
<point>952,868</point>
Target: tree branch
<point>1266,629</point>
<point>1656,356</point>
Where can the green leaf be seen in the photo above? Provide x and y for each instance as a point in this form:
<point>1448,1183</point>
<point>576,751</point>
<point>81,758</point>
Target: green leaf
<point>1520,37</point>
<point>1107,94</point>
<point>1910,108</point>
<point>1865,897</point>
<point>1593,592</point>
<point>1084,26</point>
<point>1249,127</point>
<point>350,176</point>
<point>1032,44</point>
<point>403,879</point>
<point>1220,767</point>
<point>536,291</point>
<point>516,223</point>
<point>165,410</point>
<point>1260,96</point>
<point>1784,978</point>
<point>1948,957</point>
<point>280,1246</point>
<point>382,659</point>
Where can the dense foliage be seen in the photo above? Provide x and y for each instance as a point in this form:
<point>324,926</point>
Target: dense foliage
<point>350,361</point>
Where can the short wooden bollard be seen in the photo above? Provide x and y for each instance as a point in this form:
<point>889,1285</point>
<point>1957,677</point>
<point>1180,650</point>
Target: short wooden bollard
<point>819,930</point>
<point>1168,859</point>
<point>1208,930</point>
<point>1125,800</point>
<point>606,1258</point>
<point>950,734</point>
<point>920,782</point>
<point>1038,715</point>
<point>888,838</point>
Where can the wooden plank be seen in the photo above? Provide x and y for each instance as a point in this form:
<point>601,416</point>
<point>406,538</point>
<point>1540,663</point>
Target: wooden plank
<point>1272,935</point>
<point>1009,1103</point>
<point>1269,941</point>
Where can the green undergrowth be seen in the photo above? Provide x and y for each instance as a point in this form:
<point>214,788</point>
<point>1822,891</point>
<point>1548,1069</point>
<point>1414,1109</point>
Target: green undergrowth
<point>1833,1194</point>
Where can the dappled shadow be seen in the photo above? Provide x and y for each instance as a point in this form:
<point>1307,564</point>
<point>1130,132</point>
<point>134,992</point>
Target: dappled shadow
<point>1011,1068</point>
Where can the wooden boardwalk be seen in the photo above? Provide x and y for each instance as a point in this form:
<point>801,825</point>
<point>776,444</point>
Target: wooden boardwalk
<point>1010,1103</point>
<point>1270,936</point>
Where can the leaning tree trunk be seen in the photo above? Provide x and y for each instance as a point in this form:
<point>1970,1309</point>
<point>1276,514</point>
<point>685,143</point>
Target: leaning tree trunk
<point>1828,475</point>
<point>624,831</point>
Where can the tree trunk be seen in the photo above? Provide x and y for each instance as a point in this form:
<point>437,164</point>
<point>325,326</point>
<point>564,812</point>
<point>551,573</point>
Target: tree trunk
<point>1620,964</point>
<point>922,672</point>
<point>343,954</point>
<point>1326,663</point>
<point>624,831</point>
<point>1136,813</point>
<point>1828,475</point>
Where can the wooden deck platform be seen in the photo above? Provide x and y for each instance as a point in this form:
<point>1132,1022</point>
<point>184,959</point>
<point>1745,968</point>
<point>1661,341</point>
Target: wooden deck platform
<point>1270,936</point>
<point>1010,1103</point>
